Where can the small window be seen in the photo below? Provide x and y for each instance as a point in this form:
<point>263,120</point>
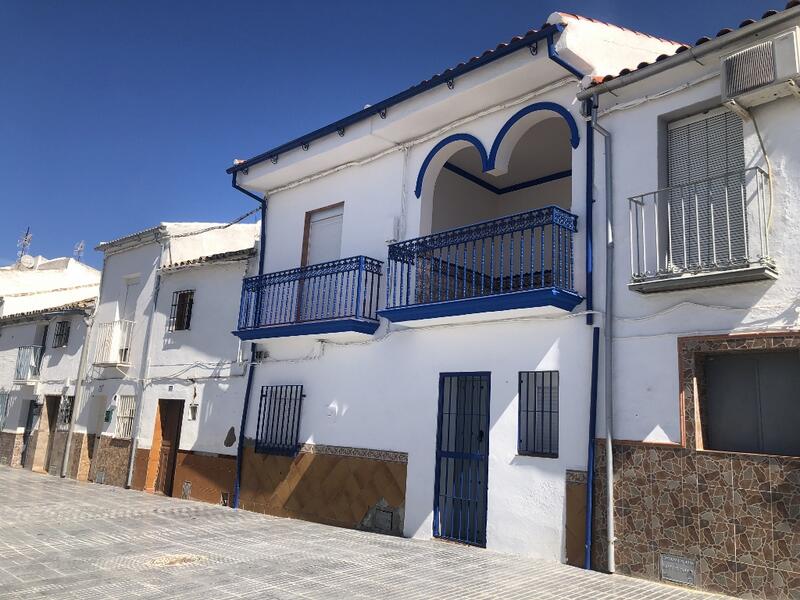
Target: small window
<point>538,413</point>
<point>180,317</point>
<point>64,413</point>
<point>61,334</point>
<point>3,409</point>
<point>279,419</point>
<point>750,402</point>
<point>126,408</point>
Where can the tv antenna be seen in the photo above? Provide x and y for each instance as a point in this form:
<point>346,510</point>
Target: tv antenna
<point>77,252</point>
<point>24,243</point>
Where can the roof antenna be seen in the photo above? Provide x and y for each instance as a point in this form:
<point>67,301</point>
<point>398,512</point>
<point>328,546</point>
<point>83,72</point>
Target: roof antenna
<point>24,243</point>
<point>77,252</point>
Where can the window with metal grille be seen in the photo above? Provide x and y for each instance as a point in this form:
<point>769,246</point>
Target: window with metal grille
<point>180,316</point>
<point>705,162</point>
<point>61,334</point>
<point>279,419</point>
<point>3,409</point>
<point>538,413</point>
<point>65,413</point>
<point>126,408</point>
<point>749,402</point>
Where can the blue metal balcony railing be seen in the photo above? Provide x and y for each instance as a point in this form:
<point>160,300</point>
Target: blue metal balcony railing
<point>345,289</point>
<point>520,253</point>
<point>29,360</point>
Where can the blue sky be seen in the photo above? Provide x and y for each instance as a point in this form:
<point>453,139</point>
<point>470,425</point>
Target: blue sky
<point>117,115</point>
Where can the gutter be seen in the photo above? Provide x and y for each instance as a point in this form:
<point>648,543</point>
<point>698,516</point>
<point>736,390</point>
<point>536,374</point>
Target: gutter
<point>590,458</point>
<point>690,55</point>
<point>546,33</point>
<point>237,482</point>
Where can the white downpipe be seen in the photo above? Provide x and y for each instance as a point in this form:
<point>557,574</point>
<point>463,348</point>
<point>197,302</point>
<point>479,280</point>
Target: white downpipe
<point>608,324</point>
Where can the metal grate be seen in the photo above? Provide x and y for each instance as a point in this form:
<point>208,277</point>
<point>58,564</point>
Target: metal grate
<point>279,419</point>
<point>3,409</point>
<point>126,409</point>
<point>180,315</point>
<point>462,452</point>
<point>526,251</point>
<point>749,69</point>
<point>29,362</point>
<point>114,342</point>
<point>538,413</point>
<point>61,334</point>
<point>65,412</point>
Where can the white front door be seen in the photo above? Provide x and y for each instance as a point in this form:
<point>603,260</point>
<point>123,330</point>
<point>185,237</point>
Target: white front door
<point>324,235</point>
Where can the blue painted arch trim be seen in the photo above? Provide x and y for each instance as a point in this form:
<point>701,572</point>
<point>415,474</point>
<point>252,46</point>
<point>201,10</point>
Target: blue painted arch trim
<point>456,137</point>
<point>536,106</point>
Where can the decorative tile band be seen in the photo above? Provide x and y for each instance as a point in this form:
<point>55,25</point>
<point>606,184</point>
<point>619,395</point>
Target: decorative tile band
<point>384,455</point>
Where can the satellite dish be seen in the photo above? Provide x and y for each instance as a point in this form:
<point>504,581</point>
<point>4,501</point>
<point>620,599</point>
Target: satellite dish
<point>26,260</point>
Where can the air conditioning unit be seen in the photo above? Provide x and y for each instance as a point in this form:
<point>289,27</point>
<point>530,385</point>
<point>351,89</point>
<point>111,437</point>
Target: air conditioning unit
<point>762,72</point>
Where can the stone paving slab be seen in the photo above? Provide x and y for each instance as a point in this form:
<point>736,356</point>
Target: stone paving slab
<point>64,539</point>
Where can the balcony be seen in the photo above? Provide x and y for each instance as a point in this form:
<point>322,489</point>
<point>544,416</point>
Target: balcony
<point>337,299</point>
<point>29,360</point>
<point>113,347</point>
<point>706,233</point>
<point>521,264</point>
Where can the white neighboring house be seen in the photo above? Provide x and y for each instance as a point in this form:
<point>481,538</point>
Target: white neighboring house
<point>46,306</point>
<point>161,332</point>
<point>454,401</point>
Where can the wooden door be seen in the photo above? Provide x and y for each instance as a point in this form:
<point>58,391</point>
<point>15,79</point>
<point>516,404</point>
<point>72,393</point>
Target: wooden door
<point>170,417</point>
<point>52,419</point>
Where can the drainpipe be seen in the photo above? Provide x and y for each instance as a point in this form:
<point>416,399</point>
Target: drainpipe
<point>76,402</point>
<point>237,482</point>
<point>608,335</point>
<point>137,418</point>
<point>552,53</point>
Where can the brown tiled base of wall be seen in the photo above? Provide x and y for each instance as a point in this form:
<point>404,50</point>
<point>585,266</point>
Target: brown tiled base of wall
<point>10,448</point>
<point>81,454</point>
<point>204,476</point>
<point>110,464</point>
<point>348,488</point>
<point>139,468</point>
<point>737,515</point>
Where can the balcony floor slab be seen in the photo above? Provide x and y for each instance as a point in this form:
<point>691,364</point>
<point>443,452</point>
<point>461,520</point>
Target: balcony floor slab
<point>527,303</point>
<point>335,329</point>
<point>712,278</point>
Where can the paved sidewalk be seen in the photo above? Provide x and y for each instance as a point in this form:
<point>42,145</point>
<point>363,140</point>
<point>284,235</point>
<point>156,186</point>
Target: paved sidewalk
<point>63,539</point>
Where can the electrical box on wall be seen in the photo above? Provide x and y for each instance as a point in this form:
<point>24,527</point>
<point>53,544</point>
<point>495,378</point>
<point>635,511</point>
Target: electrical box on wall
<point>762,72</point>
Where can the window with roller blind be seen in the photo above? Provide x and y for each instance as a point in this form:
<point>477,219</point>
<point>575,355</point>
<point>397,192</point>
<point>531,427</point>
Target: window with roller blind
<point>705,164</point>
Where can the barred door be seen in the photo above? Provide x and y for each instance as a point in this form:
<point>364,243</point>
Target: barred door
<point>462,452</point>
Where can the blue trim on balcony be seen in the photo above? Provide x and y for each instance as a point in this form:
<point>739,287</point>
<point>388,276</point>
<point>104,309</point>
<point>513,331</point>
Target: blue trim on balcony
<point>557,297</point>
<point>309,328</point>
<point>456,137</point>
<point>508,189</point>
<point>336,296</point>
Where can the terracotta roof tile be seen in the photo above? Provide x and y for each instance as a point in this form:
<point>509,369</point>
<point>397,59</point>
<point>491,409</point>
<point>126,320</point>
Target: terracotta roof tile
<point>683,48</point>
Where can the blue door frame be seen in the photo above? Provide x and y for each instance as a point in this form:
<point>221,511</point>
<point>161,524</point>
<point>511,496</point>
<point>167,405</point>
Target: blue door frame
<point>462,458</point>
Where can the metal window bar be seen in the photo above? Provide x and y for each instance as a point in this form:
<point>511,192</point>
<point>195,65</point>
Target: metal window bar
<point>29,361</point>
<point>521,252</point>
<point>278,424</point>
<point>126,409</point>
<point>114,342</point>
<point>538,414</point>
<point>180,314</point>
<point>3,409</point>
<point>65,408</point>
<point>61,334</point>
<point>340,289</point>
<point>711,224</point>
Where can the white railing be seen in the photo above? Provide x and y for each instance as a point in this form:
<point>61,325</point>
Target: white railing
<point>113,343</point>
<point>713,224</point>
<point>29,359</point>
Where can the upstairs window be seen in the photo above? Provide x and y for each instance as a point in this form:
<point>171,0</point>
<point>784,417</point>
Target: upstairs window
<point>750,402</point>
<point>61,334</point>
<point>3,409</point>
<point>180,316</point>
<point>279,419</point>
<point>538,414</point>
